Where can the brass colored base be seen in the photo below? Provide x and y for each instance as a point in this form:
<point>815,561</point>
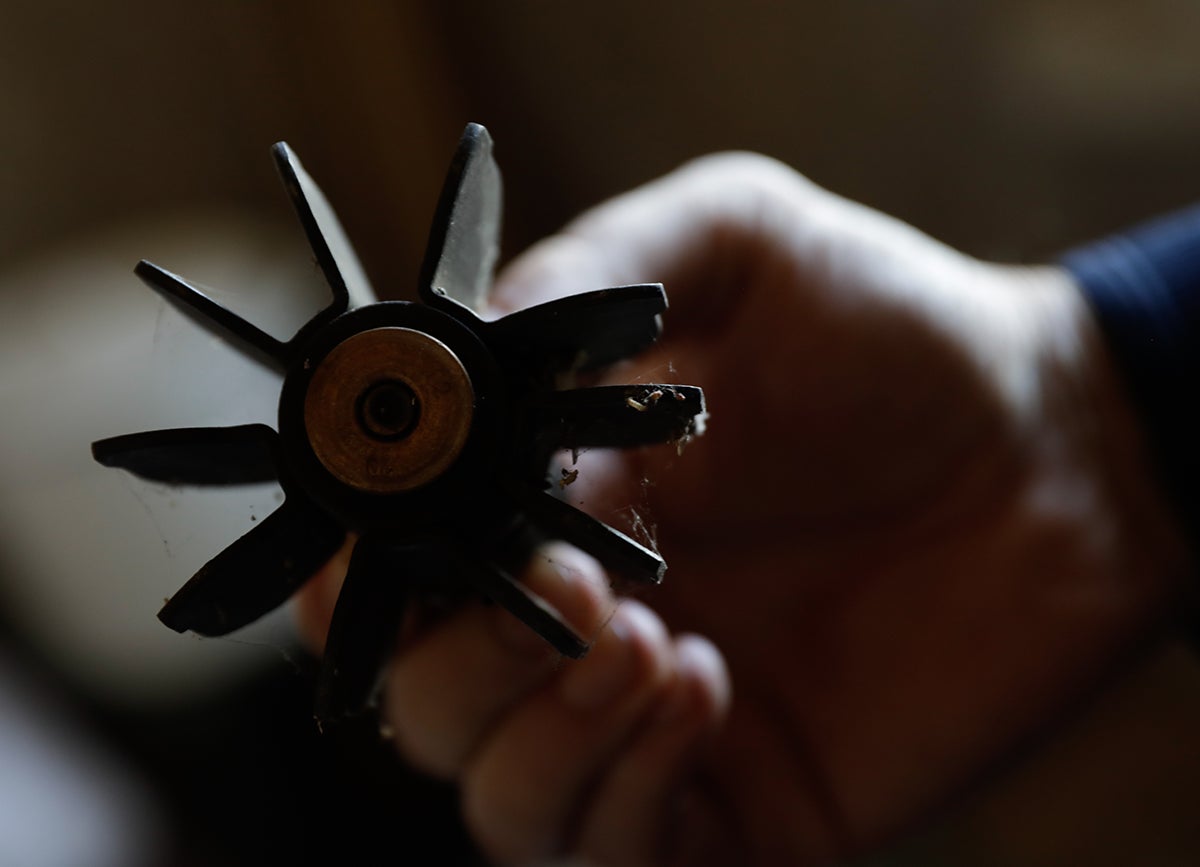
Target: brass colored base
<point>356,433</point>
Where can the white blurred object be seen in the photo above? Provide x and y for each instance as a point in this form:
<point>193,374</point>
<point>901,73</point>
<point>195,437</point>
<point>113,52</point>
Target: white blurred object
<point>88,554</point>
<point>63,801</point>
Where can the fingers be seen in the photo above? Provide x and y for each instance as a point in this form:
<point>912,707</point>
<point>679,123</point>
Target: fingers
<point>553,756</point>
<point>522,788</point>
<point>444,692</point>
<point>592,765</point>
<point>635,807</point>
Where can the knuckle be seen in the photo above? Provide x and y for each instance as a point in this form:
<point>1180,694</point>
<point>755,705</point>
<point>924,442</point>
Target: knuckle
<point>742,169</point>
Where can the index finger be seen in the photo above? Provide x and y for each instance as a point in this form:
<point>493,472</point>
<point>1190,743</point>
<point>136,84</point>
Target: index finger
<point>699,227</point>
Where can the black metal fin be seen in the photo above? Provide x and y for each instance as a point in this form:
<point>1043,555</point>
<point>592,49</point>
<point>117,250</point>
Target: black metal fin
<point>616,552</point>
<point>238,455</point>
<point>464,241</point>
<point>616,416</point>
<point>257,573</point>
<point>586,331</point>
<point>213,317</point>
<point>531,609</point>
<point>366,620</point>
<point>332,249</point>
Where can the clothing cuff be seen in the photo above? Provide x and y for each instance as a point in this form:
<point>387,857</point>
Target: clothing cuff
<point>1144,286</point>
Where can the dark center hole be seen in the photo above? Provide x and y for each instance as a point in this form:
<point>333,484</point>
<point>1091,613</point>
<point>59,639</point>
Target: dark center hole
<point>388,410</point>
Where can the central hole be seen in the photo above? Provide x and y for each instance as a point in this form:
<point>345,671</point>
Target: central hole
<point>388,410</point>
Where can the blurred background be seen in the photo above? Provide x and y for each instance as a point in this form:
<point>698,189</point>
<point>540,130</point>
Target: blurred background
<point>1008,128</point>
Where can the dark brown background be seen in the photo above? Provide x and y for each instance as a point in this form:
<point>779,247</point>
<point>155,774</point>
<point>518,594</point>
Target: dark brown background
<point>1006,127</point>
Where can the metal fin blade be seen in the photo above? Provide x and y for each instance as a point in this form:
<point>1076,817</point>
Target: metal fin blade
<point>239,455</point>
<point>586,331</point>
<point>523,604</point>
<point>615,551</point>
<point>362,634</point>
<point>617,416</point>
<point>332,249</point>
<point>464,241</point>
<point>213,317</point>
<point>257,573</point>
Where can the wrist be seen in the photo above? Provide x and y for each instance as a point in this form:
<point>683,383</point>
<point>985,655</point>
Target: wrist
<point>1086,419</point>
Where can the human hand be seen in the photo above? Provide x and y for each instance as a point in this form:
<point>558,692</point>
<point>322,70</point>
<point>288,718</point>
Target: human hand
<point>918,529</point>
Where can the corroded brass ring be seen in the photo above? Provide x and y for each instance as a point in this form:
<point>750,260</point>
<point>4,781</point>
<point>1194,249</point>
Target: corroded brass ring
<point>389,410</point>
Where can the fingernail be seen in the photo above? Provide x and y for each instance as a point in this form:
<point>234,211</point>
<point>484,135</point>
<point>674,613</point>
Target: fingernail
<point>605,673</point>
<point>696,660</point>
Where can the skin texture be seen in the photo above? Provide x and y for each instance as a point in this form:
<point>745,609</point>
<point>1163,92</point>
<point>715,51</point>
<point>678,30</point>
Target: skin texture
<point>919,529</point>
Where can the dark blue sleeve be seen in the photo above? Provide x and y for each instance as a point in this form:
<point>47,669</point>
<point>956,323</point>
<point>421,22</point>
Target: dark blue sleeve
<point>1144,285</point>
